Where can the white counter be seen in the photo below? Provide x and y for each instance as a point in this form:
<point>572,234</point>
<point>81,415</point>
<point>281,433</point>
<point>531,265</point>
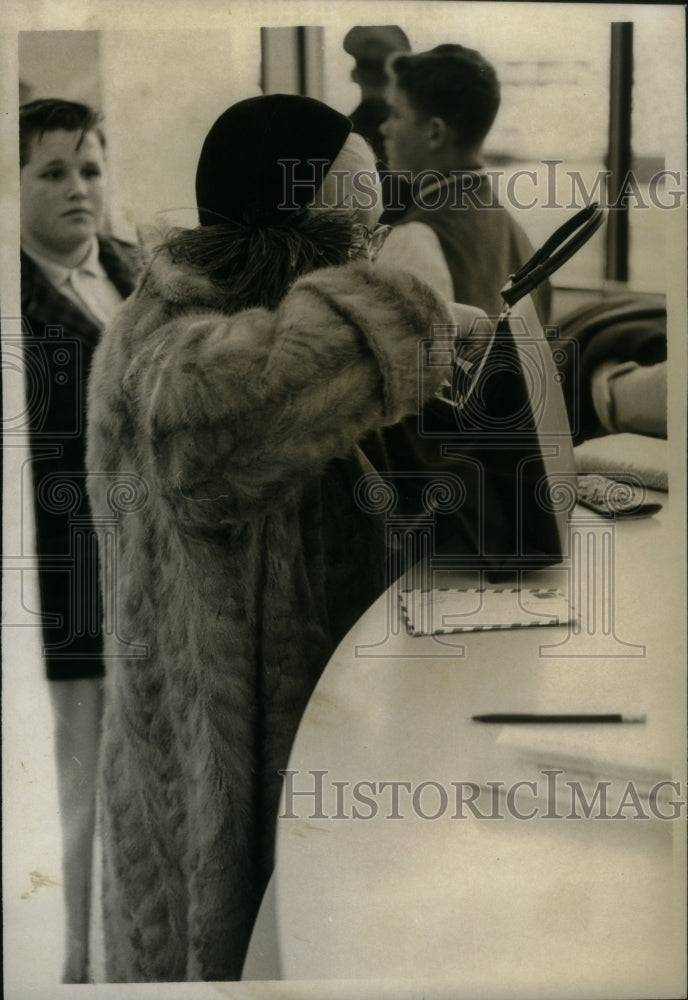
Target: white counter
<point>549,906</point>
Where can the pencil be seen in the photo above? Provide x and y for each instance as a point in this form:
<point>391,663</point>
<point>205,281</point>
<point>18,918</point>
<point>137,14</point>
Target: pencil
<point>527,718</point>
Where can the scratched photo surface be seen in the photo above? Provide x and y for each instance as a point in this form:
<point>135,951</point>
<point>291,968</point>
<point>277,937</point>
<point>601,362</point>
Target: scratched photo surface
<point>385,906</point>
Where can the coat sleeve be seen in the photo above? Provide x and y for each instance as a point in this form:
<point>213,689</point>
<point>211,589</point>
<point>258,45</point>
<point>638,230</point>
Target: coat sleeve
<point>415,247</point>
<point>238,410</point>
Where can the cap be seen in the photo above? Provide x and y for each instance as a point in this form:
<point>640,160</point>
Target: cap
<point>371,44</point>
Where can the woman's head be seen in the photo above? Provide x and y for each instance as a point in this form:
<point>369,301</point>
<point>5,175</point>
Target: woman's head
<point>264,159</point>
<point>283,188</point>
<point>267,159</point>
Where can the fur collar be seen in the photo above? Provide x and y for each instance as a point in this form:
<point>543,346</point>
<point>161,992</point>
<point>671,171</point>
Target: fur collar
<point>176,282</point>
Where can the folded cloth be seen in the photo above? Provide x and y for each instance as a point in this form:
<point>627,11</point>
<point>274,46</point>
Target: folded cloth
<point>616,455</point>
<point>628,397</point>
<point>623,328</point>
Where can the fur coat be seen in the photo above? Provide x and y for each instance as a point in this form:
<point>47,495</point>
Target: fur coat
<point>222,457</point>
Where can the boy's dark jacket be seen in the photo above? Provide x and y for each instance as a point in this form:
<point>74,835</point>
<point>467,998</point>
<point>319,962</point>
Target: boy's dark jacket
<point>59,341</point>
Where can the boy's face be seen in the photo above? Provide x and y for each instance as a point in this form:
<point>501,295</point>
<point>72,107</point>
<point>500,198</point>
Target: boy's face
<point>62,191</point>
<point>404,133</point>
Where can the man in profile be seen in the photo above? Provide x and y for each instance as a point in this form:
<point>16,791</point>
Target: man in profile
<point>462,242</point>
<point>455,234</point>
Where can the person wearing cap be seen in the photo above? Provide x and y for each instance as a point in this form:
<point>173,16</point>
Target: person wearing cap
<point>230,394</point>
<point>455,233</point>
<point>371,46</point>
<point>73,279</point>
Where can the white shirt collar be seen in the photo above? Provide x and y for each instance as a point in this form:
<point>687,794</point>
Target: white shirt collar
<point>58,274</point>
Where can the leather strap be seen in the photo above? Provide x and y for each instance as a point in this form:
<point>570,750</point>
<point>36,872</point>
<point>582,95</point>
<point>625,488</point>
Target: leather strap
<point>561,245</point>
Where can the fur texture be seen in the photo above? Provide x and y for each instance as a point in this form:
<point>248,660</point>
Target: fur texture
<point>236,568</point>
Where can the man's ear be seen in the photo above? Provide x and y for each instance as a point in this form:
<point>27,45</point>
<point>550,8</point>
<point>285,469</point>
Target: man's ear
<point>437,133</point>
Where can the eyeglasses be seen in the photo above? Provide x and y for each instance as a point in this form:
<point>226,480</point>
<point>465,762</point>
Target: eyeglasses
<point>374,239</point>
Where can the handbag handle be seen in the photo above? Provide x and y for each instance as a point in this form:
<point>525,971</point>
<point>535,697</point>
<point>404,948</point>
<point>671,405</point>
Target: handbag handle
<point>561,245</point>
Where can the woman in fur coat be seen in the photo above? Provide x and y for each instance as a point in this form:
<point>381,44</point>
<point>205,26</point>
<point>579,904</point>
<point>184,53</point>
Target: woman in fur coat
<point>226,401</point>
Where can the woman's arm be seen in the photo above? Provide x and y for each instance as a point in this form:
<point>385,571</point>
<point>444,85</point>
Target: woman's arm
<point>240,409</point>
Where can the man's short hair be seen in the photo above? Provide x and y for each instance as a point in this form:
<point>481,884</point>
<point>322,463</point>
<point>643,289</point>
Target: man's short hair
<point>453,83</point>
<point>51,113</point>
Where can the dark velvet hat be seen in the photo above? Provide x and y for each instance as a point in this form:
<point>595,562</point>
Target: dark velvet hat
<point>243,174</point>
